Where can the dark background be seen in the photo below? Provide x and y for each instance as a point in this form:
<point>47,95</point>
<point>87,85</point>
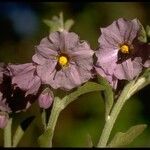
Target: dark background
<point>22,27</point>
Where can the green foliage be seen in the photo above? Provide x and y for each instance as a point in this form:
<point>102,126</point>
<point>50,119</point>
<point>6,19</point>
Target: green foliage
<point>142,35</point>
<point>141,82</point>
<point>68,24</point>
<point>108,95</point>
<point>58,24</point>
<point>148,30</point>
<point>89,141</point>
<point>121,139</point>
<point>148,33</point>
<point>21,130</point>
<point>86,88</point>
<point>44,138</point>
<point>59,104</point>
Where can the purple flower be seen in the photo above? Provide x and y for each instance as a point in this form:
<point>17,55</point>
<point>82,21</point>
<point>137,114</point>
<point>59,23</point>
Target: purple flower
<point>110,78</point>
<point>63,61</point>
<point>3,119</point>
<point>13,99</point>
<point>46,98</point>
<point>118,50</point>
<point>24,76</point>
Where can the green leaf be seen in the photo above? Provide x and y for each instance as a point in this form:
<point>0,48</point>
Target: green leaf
<point>68,24</point>
<point>108,95</point>
<point>141,82</point>
<point>142,35</point>
<point>121,139</point>
<point>8,134</point>
<point>146,74</point>
<point>86,88</point>
<point>148,33</point>
<point>43,117</point>
<point>43,139</point>
<point>148,30</point>
<point>49,23</point>
<point>89,142</point>
<point>56,23</point>
<point>21,130</point>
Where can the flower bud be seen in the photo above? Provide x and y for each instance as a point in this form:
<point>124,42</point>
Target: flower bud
<point>3,119</point>
<point>46,98</point>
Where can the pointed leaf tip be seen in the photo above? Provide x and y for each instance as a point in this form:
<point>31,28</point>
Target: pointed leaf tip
<point>121,139</point>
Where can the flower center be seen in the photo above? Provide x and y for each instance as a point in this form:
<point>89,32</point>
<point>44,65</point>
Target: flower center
<point>63,60</point>
<point>124,49</point>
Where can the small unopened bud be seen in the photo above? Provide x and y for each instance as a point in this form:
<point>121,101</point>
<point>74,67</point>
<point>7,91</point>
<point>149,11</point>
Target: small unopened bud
<point>3,119</point>
<point>46,98</point>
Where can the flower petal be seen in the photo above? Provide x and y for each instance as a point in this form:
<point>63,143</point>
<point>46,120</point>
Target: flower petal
<point>45,99</point>
<point>128,29</point>
<point>56,40</point>
<point>62,81</point>
<point>107,59</point>
<point>46,49</point>
<point>80,60</point>
<point>82,50</point>
<point>110,78</point>
<point>128,69</point>
<point>39,59</point>
<point>73,75</point>
<point>71,40</point>
<point>46,71</point>
<point>24,77</point>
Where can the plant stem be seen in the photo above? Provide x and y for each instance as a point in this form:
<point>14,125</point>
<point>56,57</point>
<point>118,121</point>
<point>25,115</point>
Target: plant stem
<point>56,109</point>
<point>7,134</point>
<point>45,140</point>
<point>43,116</point>
<point>114,114</point>
<point>17,136</point>
<point>127,92</point>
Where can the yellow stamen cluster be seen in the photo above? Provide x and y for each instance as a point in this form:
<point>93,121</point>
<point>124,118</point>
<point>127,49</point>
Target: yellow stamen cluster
<point>124,49</point>
<point>63,60</point>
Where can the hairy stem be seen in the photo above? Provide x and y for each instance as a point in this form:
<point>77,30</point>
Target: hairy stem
<point>56,109</point>
<point>128,91</point>
<point>7,134</point>
<point>17,136</point>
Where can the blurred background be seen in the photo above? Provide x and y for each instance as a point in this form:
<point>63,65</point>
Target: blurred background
<point>22,27</point>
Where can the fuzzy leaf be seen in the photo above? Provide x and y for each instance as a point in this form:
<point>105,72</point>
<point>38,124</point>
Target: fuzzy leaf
<point>89,142</point>
<point>68,24</point>
<point>43,117</point>
<point>148,30</point>
<point>142,35</point>
<point>49,23</point>
<point>121,139</point>
<point>142,81</point>
<point>146,74</point>
<point>86,88</point>
<point>21,130</point>
<point>42,140</point>
<point>108,95</point>
<point>56,23</point>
